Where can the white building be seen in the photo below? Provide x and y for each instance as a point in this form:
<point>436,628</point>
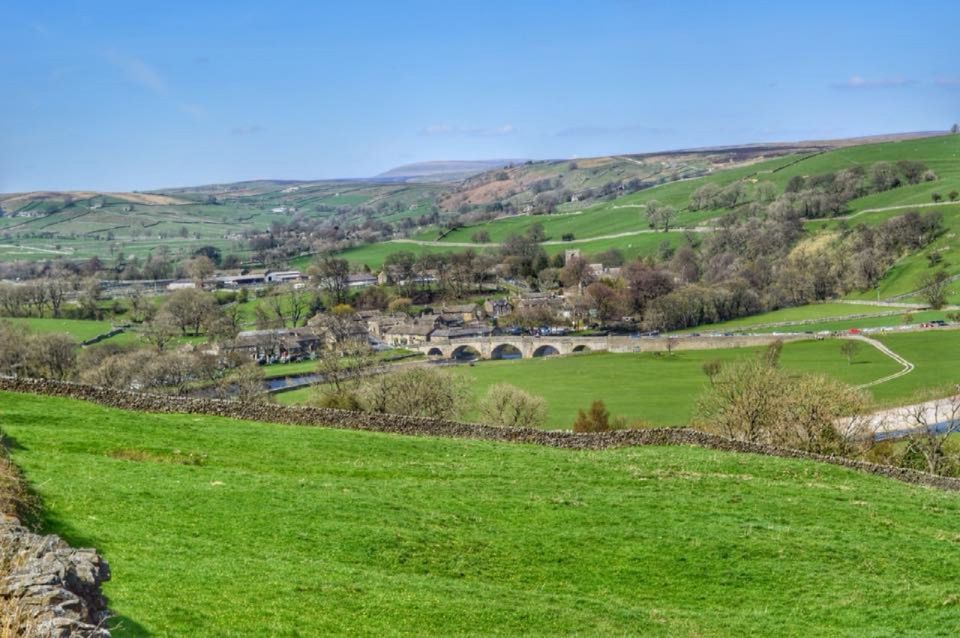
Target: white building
<point>283,276</point>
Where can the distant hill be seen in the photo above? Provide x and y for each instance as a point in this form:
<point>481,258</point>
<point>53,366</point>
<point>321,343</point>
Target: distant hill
<point>444,171</point>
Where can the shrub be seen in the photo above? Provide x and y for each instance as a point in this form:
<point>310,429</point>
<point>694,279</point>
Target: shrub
<point>427,392</point>
<point>508,405</point>
<point>596,419</point>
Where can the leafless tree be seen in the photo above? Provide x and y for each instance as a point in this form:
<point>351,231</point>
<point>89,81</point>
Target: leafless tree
<point>332,275</point>
<point>160,331</point>
<point>931,424</point>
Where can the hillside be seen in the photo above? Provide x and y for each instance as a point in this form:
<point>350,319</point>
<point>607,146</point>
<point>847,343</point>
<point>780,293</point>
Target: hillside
<point>451,171</point>
<point>215,527</point>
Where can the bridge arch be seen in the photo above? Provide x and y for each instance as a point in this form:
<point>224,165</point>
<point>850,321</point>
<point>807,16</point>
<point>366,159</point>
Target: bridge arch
<point>465,353</point>
<point>435,352</point>
<point>581,348</point>
<point>506,351</point>
<point>546,350</point>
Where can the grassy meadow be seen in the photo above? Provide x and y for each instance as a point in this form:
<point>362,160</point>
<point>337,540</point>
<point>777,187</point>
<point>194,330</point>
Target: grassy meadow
<point>79,329</point>
<point>658,389</point>
<point>215,527</point>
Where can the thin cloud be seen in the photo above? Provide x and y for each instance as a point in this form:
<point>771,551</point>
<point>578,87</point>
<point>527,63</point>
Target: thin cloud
<point>598,130</point>
<point>859,82</point>
<point>138,72</point>
<point>948,83</point>
<point>449,130</point>
<point>141,74</point>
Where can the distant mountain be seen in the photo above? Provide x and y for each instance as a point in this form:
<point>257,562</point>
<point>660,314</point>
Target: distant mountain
<point>444,171</point>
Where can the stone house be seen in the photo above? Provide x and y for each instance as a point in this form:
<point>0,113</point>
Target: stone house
<point>409,334</point>
<point>277,344</point>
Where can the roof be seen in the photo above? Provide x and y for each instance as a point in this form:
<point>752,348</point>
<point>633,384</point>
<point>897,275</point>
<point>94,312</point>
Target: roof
<point>463,308</point>
<point>419,329</point>
<point>469,331</point>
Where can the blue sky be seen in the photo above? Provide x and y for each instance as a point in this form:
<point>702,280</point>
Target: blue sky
<point>135,95</point>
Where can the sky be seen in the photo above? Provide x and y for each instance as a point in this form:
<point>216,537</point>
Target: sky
<point>135,95</point>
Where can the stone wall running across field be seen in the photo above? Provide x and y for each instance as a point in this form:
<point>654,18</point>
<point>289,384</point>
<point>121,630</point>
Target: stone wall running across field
<point>416,426</point>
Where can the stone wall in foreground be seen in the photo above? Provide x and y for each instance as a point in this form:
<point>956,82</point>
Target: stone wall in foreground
<point>416,426</point>
<point>47,588</point>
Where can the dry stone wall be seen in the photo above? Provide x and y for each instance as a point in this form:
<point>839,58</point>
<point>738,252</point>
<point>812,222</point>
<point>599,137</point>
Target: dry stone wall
<point>49,589</point>
<point>417,426</point>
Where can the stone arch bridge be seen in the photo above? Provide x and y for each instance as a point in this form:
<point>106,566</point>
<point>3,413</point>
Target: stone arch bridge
<point>526,347</point>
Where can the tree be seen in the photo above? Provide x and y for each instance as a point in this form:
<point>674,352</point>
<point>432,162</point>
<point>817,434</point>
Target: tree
<point>89,300</point>
<point>936,197</point>
<point>190,307</point>
<point>955,129</point>
<point>480,237</point>
<point>760,403</point>
<point>52,356</point>
<point>13,348</point>
<point>332,275</point>
<point>576,272</point>
<point>57,286</point>
<point>343,367</point>
<point>849,349</point>
<point>595,419</point>
<point>935,288</point>
<point>400,304</point>
<point>245,384</point>
<point>160,331</point>
<point>712,368</point>
<point>199,268</point>
<point>953,195</point>
<point>932,425</point>
<point>660,215</point>
<point>508,405</point>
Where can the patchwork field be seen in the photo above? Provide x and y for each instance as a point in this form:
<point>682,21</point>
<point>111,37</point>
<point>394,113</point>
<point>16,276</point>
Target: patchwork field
<point>221,528</point>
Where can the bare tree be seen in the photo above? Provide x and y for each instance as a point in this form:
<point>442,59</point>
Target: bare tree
<point>660,214</point>
<point>199,268</point>
<point>849,349</point>
<point>935,288</point>
<point>931,425</point>
<point>57,286</point>
<point>332,275</point>
<point>52,356</point>
<point>189,308</point>
<point>160,331</point>
<point>245,384</point>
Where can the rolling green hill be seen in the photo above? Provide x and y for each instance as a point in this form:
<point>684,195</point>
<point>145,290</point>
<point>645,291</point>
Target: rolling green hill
<point>215,527</point>
<point>622,222</point>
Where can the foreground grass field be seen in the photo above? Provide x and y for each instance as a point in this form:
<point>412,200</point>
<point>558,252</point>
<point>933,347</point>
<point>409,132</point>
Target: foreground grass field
<point>289,531</point>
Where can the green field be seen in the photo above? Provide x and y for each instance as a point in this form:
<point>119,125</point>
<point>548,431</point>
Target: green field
<point>79,329</point>
<point>889,322</point>
<point>289,531</point>
<point>935,354</point>
<point>661,390</point>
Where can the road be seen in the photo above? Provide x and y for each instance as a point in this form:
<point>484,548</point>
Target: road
<point>554,242</point>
